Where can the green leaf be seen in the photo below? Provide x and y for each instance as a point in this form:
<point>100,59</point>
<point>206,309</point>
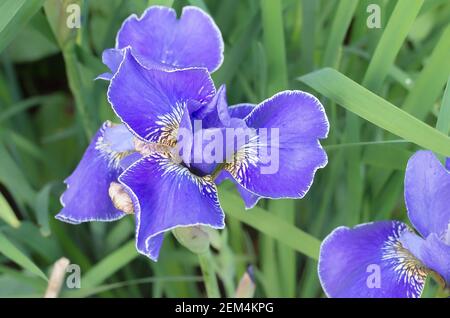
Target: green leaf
<point>376,110</point>
<point>55,11</point>
<point>236,54</point>
<point>42,209</point>
<point>167,3</point>
<point>341,22</point>
<point>110,264</point>
<point>391,41</point>
<point>13,253</point>
<point>11,175</point>
<point>308,35</point>
<point>23,105</point>
<point>271,225</point>
<point>273,31</point>
<point>443,123</point>
<point>14,15</point>
<point>286,210</point>
<point>199,3</point>
<point>7,214</point>
<point>31,45</point>
<point>428,86</point>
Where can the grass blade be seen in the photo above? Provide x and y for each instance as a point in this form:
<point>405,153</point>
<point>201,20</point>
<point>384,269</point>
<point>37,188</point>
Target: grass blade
<point>341,22</point>
<point>376,110</point>
<point>7,214</point>
<point>14,15</point>
<point>271,225</point>
<point>110,264</point>
<point>394,35</point>
<point>433,77</point>
<point>443,123</point>
<point>13,253</point>
<point>272,21</point>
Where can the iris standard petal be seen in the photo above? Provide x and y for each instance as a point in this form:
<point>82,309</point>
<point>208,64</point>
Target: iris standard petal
<point>370,261</point>
<point>215,114</point>
<point>167,195</point>
<point>86,197</point>
<point>281,158</point>
<point>152,102</point>
<point>427,191</point>
<point>160,40</point>
<point>111,58</point>
<point>241,110</point>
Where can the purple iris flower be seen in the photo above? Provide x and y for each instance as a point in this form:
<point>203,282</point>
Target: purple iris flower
<point>159,40</point>
<point>386,258</point>
<point>167,193</point>
<point>137,167</point>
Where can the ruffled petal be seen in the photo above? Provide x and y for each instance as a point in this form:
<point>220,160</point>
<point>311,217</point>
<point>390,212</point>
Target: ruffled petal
<point>111,58</point>
<point>370,261</point>
<point>241,110</point>
<point>86,197</point>
<point>215,114</point>
<point>160,40</point>
<point>280,159</point>
<point>166,195</point>
<point>427,191</point>
<point>152,102</point>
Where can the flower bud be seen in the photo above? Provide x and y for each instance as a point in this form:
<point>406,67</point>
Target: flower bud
<point>246,287</point>
<point>120,198</point>
<point>194,238</point>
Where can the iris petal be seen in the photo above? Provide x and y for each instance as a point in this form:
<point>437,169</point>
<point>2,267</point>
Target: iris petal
<point>370,261</point>
<point>435,254</point>
<point>427,190</point>
<point>160,40</point>
<point>86,197</point>
<point>241,110</point>
<point>282,162</point>
<point>215,114</point>
<point>152,102</point>
<point>111,58</point>
<point>166,195</point>
<point>250,199</point>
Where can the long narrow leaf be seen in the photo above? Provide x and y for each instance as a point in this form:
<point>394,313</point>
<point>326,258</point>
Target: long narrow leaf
<point>271,225</point>
<point>8,249</point>
<point>376,110</point>
<point>14,15</point>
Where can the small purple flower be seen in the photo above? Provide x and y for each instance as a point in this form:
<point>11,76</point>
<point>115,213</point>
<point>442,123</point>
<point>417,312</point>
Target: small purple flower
<point>159,40</point>
<point>387,259</point>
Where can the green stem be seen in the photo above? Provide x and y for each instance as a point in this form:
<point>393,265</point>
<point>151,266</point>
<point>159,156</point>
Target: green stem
<point>75,84</point>
<point>209,274</point>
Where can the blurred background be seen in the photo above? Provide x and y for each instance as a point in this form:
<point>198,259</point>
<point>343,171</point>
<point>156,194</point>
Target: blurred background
<point>50,106</point>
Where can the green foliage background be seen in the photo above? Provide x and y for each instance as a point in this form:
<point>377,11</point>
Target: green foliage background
<point>383,90</point>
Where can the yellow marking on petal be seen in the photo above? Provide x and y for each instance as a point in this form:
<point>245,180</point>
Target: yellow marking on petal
<point>410,270</point>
